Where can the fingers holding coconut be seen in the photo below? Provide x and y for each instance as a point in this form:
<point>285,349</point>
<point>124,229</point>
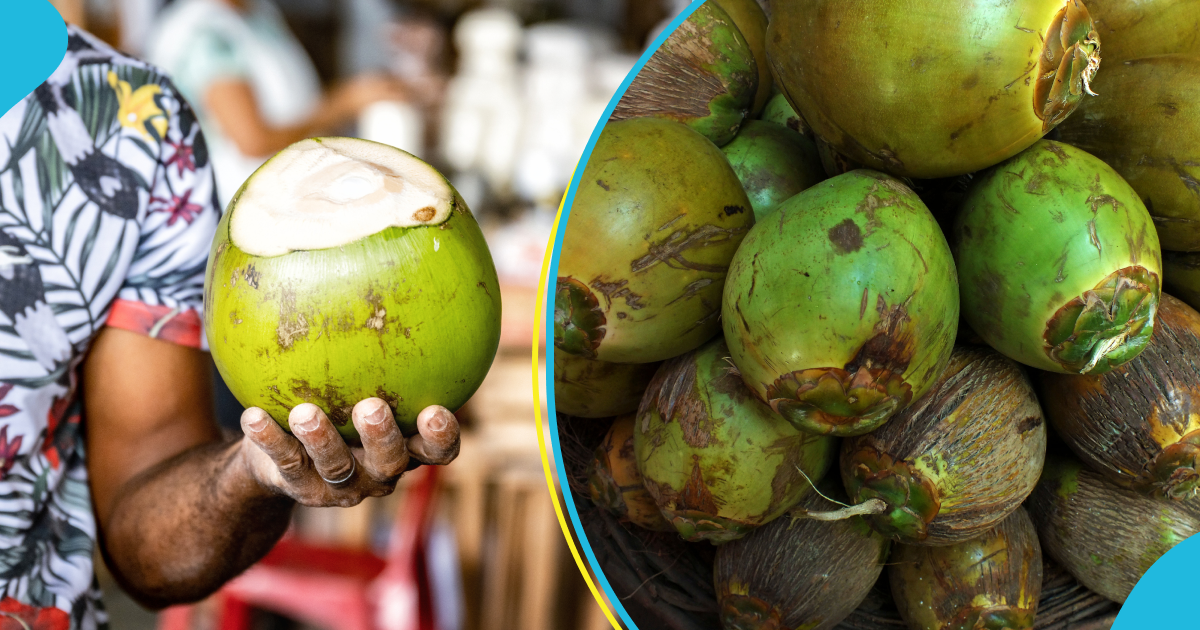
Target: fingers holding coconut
<point>279,460</point>
<point>385,454</point>
<point>437,440</point>
<point>331,457</point>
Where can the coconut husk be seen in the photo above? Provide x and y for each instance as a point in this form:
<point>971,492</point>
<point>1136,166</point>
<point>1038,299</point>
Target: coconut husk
<point>981,422</point>
<point>1137,425</point>
<point>1065,604</point>
<point>579,438</point>
<point>1068,605</point>
<point>662,581</point>
<point>802,573</point>
<point>994,580</point>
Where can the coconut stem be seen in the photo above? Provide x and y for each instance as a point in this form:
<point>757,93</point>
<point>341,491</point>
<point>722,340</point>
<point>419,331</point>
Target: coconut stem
<point>868,507</point>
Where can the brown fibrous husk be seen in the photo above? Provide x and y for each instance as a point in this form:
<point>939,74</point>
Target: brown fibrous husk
<point>1107,536</point>
<point>997,576</point>
<point>1139,425</point>
<point>956,461</point>
<point>1065,604</point>
<point>797,573</point>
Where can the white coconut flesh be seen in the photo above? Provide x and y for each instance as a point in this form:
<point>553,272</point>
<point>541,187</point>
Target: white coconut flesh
<point>328,192</point>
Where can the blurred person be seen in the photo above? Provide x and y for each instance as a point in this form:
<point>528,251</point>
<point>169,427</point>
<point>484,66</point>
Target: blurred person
<point>107,437</point>
<point>254,87</point>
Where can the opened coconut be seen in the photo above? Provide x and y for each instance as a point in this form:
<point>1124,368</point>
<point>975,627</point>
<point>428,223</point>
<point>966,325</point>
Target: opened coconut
<point>345,269</point>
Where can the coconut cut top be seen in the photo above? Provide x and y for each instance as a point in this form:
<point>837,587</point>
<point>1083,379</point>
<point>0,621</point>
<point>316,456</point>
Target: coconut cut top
<point>326,192</point>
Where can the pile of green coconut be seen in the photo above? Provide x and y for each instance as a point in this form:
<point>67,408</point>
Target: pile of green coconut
<point>863,317</point>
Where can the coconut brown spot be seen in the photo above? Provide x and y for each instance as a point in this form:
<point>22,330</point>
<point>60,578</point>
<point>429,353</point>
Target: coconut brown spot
<point>790,472</point>
<point>1029,423</point>
<point>997,588</point>
<point>291,329</point>
<point>252,276</point>
<point>328,398</point>
<point>672,393</point>
<point>892,346</point>
<point>388,397</point>
<point>695,495</point>
<point>670,251</point>
<point>376,320</point>
<point>694,288</point>
<point>617,290</point>
<point>424,214</point>
<point>292,323</point>
<point>846,237</point>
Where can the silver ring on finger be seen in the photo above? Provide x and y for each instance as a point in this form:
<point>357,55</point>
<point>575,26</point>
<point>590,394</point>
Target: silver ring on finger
<point>344,480</point>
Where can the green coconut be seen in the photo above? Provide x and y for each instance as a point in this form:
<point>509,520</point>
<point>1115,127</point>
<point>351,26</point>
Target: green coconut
<point>987,583</point>
<point>957,461</point>
<point>773,164</point>
<point>596,389</point>
<point>932,88</point>
<point>345,269</point>
<point>779,111</point>
<point>1103,534</point>
<point>704,75</point>
<point>842,307</point>
<point>798,573</point>
<point>1058,261</point>
<point>1139,425</point>
<point>752,22</point>
<point>1142,28</point>
<point>648,243</point>
<point>615,483</point>
<point>1145,123</point>
<point>716,460</point>
<point>1181,276</point>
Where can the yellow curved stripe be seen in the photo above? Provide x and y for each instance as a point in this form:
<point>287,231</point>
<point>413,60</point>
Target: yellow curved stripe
<point>537,406</point>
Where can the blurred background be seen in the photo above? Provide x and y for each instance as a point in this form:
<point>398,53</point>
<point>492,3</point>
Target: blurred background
<point>500,95</point>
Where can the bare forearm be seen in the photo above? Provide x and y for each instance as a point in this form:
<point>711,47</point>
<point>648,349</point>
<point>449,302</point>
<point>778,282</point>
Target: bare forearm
<point>180,530</point>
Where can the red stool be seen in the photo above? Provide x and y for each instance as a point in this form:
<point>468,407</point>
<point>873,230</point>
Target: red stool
<point>339,589</point>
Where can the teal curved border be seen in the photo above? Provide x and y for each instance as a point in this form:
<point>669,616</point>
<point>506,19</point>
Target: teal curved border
<point>552,275</point>
<point>1161,599</point>
<point>33,41</point>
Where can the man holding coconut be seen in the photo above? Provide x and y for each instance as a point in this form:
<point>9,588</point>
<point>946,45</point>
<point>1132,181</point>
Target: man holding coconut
<point>107,211</point>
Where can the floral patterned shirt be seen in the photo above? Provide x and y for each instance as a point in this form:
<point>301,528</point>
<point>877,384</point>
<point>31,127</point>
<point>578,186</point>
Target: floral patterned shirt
<point>107,212</point>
